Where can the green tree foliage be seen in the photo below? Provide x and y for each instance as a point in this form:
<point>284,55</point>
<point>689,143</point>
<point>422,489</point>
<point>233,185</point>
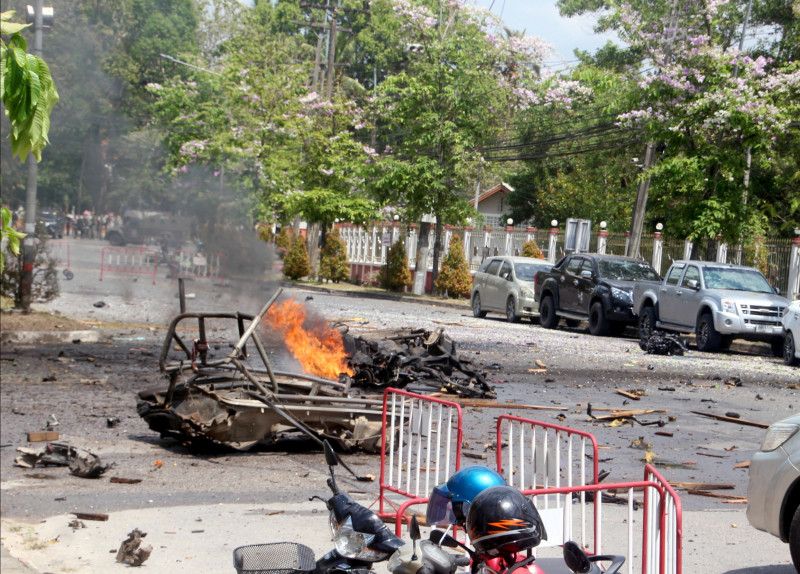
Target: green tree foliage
<point>395,275</point>
<point>27,91</point>
<point>8,233</point>
<point>333,264</point>
<point>295,263</point>
<point>455,278</point>
<point>283,241</point>
<point>531,249</point>
<point>45,272</point>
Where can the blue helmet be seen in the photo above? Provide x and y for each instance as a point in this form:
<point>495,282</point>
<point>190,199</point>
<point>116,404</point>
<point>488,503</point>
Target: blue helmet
<point>449,502</point>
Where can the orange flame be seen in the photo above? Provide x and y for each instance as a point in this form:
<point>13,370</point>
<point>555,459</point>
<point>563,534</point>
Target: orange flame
<point>320,349</point>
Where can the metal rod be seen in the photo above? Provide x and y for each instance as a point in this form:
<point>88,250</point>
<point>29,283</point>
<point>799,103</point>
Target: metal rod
<point>254,324</point>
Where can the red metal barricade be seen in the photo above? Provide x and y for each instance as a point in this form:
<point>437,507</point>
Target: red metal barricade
<point>421,438</point>
<point>129,260</point>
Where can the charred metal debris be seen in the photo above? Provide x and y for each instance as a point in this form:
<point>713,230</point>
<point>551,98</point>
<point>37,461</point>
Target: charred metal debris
<point>216,397</point>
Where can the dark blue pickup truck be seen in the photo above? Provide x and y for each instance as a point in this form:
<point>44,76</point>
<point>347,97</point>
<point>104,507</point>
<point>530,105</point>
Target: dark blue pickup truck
<point>594,288</point>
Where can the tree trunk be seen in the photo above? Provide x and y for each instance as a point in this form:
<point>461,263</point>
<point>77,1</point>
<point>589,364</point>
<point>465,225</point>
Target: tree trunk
<point>437,248</point>
<point>421,270</point>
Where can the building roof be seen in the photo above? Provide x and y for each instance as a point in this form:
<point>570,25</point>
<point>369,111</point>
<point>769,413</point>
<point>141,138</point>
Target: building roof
<point>502,186</point>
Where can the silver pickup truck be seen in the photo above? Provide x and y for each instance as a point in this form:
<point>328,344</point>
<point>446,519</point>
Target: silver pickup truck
<point>716,301</point>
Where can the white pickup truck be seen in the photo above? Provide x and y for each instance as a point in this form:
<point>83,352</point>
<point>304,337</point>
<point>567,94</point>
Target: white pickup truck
<point>717,301</point>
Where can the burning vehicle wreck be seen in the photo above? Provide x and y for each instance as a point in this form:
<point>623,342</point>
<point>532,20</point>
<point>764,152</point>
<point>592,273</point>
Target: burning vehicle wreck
<point>221,393</point>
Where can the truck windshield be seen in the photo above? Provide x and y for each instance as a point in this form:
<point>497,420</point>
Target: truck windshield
<point>736,279</point>
<point>627,270</point>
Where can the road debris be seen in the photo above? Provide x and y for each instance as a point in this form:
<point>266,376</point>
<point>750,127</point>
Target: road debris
<point>661,343</point>
<point>42,436</point>
<point>729,419</point>
<point>131,552</point>
<point>635,394</point>
<point>80,461</point>
<point>91,516</point>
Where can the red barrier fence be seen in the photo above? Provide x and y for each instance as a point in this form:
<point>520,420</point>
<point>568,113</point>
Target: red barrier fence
<point>139,261</point>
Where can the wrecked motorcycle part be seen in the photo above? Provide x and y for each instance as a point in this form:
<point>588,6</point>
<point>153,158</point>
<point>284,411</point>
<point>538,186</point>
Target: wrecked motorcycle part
<point>236,400</point>
<point>81,462</point>
<point>663,343</point>
<point>131,552</point>
<point>415,358</point>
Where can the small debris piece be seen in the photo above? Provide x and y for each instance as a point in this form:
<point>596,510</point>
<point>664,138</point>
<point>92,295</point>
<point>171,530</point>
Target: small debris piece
<point>120,480</point>
<point>640,443</point>
<point>76,524</point>
<point>731,420</point>
<point>42,436</point>
<point>745,464</point>
<point>661,343</point>
<point>99,304</point>
<point>81,462</point>
<point>111,422</point>
<point>627,414</point>
<point>703,485</point>
<point>130,551</point>
<point>477,455</point>
<point>540,364</point>
<point>733,415</point>
<point>631,395</point>
<point>91,516</point>
<point>701,492</point>
<point>664,433</point>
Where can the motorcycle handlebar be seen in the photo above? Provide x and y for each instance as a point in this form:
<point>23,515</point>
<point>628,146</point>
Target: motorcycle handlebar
<point>461,560</point>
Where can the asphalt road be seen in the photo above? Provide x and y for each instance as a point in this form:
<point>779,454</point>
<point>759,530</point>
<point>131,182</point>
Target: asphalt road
<point>83,385</point>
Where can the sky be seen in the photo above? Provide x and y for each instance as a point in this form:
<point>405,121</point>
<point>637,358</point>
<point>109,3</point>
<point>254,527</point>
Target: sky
<point>541,18</point>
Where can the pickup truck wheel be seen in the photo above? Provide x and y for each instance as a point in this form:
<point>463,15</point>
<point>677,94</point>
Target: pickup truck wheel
<point>547,313</point>
<point>476,306</point>
<point>115,239</point>
<point>598,324</point>
<point>708,338</point>
<point>647,324</point>
<point>788,350</point>
<point>511,311</point>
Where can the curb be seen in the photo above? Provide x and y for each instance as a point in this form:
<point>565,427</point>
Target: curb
<point>386,297</point>
<point>48,337</point>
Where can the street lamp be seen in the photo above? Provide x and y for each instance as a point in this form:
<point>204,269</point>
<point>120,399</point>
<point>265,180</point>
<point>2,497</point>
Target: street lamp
<point>603,225</point>
<point>659,226</point>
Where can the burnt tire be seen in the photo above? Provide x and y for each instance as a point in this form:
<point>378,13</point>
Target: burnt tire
<point>794,539</point>
<point>476,306</point>
<point>707,337</point>
<point>511,311</point>
<point>599,325</point>
<point>788,350</point>
<point>647,324</point>
<point>547,313</point>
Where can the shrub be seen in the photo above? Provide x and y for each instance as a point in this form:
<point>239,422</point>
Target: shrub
<point>45,273</point>
<point>395,274</point>
<point>333,264</point>
<point>283,241</point>
<point>454,277</point>
<point>296,263</point>
<point>531,249</point>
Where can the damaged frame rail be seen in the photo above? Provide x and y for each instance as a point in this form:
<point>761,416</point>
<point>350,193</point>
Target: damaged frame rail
<point>238,400</point>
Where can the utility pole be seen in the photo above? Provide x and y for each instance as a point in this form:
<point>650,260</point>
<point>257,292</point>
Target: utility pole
<point>747,150</point>
<point>28,243</point>
<point>643,189</point>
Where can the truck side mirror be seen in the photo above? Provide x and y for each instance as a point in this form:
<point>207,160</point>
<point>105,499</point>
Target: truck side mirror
<point>693,284</point>
<point>586,274</point>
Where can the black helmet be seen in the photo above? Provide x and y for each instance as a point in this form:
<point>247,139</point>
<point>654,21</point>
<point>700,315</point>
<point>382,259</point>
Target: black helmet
<point>501,520</point>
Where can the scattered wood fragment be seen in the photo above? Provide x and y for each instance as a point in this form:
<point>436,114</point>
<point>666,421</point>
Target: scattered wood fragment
<point>703,485</point>
<point>627,414</point>
<point>732,420</point>
<point>537,370</point>
<point>493,404</point>
<point>42,436</point>
<point>632,396</point>
<point>745,464</point>
<point>540,364</point>
<point>711,455</point>
<point>91,516</point>
<point>702,492</point>
<point>664,433</point>
<point>471,454</point>
<point>120,480</point>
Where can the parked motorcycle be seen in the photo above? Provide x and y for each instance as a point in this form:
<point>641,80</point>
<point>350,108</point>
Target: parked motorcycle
<point>360,539</point>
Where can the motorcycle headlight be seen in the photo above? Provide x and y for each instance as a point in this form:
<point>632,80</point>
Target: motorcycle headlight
<point>353,544</point>
<point>728,306</point>
<point>622,295</point>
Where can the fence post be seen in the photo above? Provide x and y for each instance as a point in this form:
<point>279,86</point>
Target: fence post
<point>722,250</point>
<point>658,247</point>
<point>687,250</point>
<point>551,248</point>
<point>509,230</point>
<point>467,242</point>
<point>627,240</point>
<point>793,289</point>
<point>486,242</point>
<point>602,238</point>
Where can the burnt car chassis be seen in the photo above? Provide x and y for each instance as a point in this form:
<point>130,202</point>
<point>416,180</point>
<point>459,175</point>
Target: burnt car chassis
<point>237,400</point>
